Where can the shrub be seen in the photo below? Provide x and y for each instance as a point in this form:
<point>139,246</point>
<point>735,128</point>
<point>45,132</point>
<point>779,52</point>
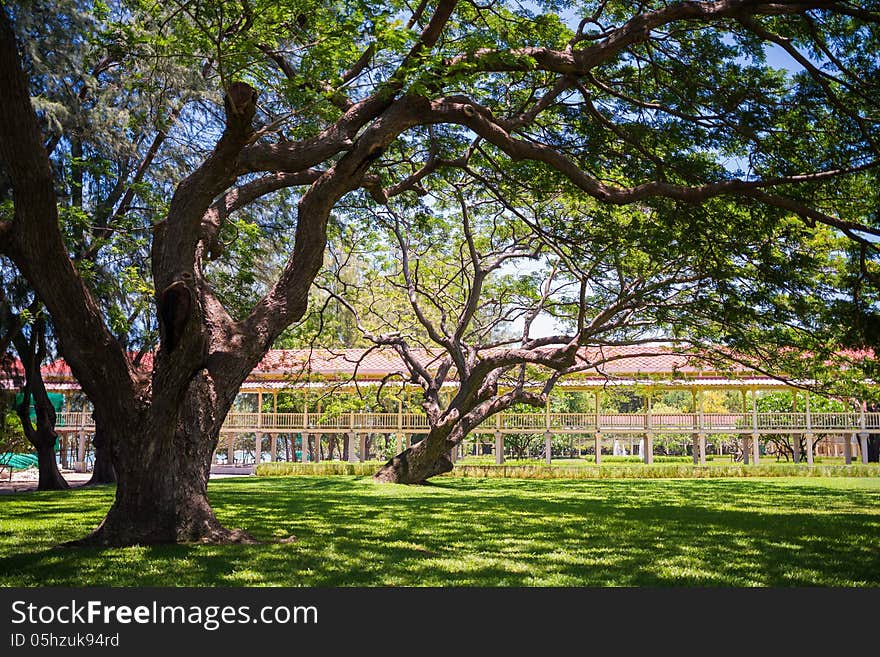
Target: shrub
<point>620,471</point>
<point>661,471</point>
<point>284,469</point>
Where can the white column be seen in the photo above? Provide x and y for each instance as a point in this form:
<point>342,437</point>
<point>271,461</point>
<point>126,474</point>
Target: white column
<point>598,440</point>
<point>352,447</point>
<point>258,447</point>
<point>847,449</point>
<point>807,410</point>
<point>754,411</point>
<point>701,419</point>
<point>809,438</point>
<point>649,448</point>
<point>81,452</point>
<point>399,440</point>
<point>548,447</point>
<point>756,449</point>
<point>701,440</point>
<point>499,448</point>
<point>863,445</point>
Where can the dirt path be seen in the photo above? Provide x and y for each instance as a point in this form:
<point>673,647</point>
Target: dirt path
<point>26,480</point>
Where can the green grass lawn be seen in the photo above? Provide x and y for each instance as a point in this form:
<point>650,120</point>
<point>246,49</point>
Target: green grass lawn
<point>476,532</point>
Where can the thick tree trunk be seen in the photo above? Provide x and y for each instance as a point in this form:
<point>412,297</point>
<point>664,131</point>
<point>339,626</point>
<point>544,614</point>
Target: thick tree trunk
<point>874,448</point>
<point>63,451</point>
<point>331,447</point>
<point>102,471</point>
<point>162,476</point>
<point>425,459</point>
<point>50,475</point>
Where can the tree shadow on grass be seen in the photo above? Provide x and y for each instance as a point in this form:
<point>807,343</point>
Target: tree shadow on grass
<point>464,532</point>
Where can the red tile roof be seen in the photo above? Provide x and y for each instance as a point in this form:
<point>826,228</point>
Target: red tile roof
<point>291,364</point>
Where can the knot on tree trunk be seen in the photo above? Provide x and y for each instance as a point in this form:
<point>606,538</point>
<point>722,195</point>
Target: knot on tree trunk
<point>240,103</point>
<point>175,307</point>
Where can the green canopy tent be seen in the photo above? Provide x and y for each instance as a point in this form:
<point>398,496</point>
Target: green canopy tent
<point>18,461</point>
<point>55,398</point>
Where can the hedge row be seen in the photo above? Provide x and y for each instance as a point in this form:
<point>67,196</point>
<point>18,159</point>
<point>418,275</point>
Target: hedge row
<point>641,471</point>
<point>663,471</point>
<point>284,469</point>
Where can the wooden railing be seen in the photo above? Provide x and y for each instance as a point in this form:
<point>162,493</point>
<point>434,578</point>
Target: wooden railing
<point>661,423</point>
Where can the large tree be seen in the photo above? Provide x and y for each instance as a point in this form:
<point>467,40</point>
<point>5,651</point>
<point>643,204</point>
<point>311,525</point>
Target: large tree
<point>468,273</point>
<point>625,102</point>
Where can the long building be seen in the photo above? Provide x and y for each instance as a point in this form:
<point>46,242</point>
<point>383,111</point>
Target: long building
<point>315,376</point>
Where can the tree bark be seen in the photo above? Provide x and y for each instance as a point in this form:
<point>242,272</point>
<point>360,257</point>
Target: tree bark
<point>63,451</point>
<point>415,465</point>
<point>874,448</point>
<point>50,475</point>
<point>102,471</point>
<point>32,352</point>
<point>43,436</point>
<point>162,475</point>
<point>331,447</point>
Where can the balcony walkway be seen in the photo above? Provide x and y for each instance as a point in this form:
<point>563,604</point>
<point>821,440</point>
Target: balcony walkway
<point>355,427</point>
<point>519,423</point>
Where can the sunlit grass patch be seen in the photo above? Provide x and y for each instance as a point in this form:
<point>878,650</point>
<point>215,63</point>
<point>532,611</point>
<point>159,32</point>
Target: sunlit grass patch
<point>345,530</point>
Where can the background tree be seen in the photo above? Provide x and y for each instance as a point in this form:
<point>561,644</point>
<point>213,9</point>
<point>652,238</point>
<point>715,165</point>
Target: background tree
<point>26,329</point>
<point>12,438</point>
<point>617,277</point>
<point>793,447</point>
